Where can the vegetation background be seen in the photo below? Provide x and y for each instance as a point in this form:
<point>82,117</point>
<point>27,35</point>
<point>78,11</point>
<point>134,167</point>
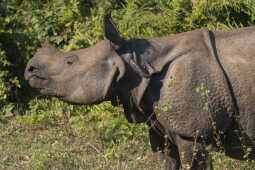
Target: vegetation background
<point>43,133</point>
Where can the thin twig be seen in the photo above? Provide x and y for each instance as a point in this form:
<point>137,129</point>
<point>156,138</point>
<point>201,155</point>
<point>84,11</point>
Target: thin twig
<point>97,150</point>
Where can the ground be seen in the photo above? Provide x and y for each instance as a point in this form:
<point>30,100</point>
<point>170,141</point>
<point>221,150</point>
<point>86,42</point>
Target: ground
<point>82,141</point>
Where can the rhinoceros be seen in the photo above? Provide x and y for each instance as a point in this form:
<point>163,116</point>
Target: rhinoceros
<point>194,90</point>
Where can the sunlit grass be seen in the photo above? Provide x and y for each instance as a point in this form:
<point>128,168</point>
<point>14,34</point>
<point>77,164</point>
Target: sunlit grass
<point>95,140</point>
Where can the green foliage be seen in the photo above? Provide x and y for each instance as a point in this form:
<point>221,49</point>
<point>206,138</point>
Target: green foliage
<point>4,89</point>
<point>74,24</point>
<point>78,23</point>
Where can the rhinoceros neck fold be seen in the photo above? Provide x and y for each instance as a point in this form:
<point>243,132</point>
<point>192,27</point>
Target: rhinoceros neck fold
<point>144,58</point>
<point>191,60</point>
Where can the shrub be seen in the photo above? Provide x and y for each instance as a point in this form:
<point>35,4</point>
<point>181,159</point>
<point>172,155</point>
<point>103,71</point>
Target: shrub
<point>74,24</point>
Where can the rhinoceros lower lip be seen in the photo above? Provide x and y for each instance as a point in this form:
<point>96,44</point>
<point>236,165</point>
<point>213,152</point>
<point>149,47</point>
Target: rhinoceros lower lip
<point>47,91</point>
<point>51,92</point>
<point>43,90</point>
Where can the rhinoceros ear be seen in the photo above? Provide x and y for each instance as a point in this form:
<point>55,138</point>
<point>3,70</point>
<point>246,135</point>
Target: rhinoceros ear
<point>111,31</point>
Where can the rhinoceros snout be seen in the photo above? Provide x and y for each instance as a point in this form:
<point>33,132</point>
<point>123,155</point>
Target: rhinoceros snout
<point>31,70</point>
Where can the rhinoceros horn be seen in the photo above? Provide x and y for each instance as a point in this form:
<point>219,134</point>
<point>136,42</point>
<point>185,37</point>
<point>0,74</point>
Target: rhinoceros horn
<point>47,43</point>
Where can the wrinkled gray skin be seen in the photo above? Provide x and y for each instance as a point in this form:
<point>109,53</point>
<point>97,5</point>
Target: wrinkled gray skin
<point>192,90</point>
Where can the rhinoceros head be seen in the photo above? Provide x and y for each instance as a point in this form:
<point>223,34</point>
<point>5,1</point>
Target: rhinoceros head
<point>81,77</point>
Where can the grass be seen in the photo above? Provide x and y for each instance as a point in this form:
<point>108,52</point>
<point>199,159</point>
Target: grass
<point>84,141</point>
<point>73,143</point>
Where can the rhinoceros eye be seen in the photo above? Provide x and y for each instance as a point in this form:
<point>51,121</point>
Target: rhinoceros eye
<point>70,60</point>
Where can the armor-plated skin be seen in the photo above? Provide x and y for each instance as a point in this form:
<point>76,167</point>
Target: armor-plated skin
<point>191,89</point>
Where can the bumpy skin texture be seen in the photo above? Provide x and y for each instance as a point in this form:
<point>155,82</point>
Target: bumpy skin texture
<point>192,90</point>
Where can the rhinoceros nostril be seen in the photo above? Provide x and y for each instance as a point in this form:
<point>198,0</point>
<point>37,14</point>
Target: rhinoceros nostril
<point>32,69</point>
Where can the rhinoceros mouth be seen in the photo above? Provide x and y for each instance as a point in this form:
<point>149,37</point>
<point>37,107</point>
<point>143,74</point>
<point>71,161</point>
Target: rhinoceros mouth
<point>35,81</point>
<point>36,77</point>
<point>44,86</point>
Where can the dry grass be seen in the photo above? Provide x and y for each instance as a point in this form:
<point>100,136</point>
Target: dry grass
<point>25,146</point>
<point>81,145</point>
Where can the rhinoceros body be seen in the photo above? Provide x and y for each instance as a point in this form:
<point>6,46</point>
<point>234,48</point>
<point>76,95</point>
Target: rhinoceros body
<point>192,89</point>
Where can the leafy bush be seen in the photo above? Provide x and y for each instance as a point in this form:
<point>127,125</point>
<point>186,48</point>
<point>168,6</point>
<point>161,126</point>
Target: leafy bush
<point>5,88</point>
<point>78,23</point>
<point>74,24</point>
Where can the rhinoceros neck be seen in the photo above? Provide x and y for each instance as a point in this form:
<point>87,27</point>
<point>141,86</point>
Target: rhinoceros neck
<point>144,58</point>
<point>147,59</point>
